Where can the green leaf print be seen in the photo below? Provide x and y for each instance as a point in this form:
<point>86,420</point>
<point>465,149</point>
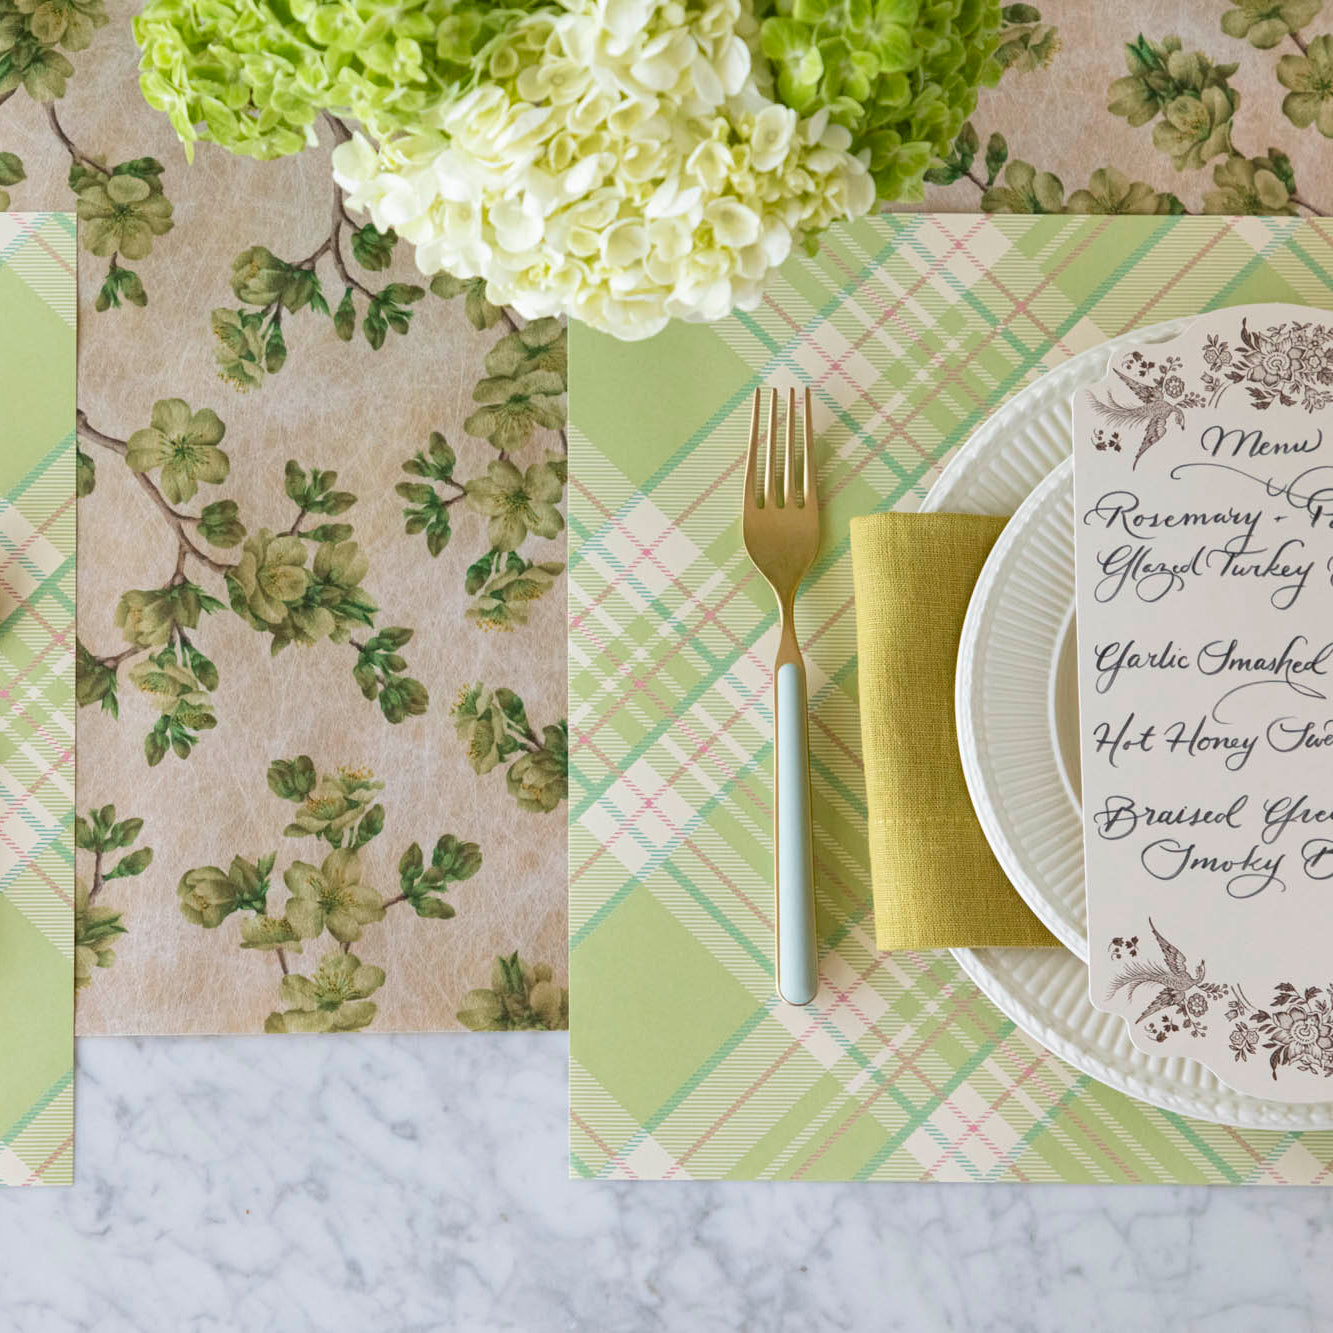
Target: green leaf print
<point>102,836</point>
<point>298,586</point>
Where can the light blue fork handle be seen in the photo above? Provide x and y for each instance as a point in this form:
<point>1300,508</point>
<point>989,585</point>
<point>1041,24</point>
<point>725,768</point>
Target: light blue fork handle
<point>797,953</point>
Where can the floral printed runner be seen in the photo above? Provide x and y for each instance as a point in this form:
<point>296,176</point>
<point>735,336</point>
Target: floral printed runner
<point>1141,108</point>
<point>321,586</point>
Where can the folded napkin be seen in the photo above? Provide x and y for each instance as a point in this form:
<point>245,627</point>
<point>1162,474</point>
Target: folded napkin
<point>936,882</point>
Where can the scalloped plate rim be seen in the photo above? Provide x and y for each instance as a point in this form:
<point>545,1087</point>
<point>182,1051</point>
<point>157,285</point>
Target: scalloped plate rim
<point>1009,552</point>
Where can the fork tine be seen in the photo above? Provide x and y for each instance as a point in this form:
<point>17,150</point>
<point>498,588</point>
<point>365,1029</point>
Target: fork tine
<point>789,453</point>
<point>770,485</point>
<point>752,455</point>
<point>809,495</point>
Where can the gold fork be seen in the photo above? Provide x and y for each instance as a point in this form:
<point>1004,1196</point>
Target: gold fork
<point>781,531</point>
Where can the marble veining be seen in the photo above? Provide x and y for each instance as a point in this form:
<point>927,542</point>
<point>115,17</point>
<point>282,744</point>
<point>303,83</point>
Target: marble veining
<point>420,1183</point>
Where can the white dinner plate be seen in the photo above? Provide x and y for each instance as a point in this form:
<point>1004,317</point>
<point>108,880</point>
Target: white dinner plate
<point>1045,991</point>
<point>1016,704</point>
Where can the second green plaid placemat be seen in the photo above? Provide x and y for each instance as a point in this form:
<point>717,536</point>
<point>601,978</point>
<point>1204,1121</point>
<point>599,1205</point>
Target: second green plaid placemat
<point>911,330</point>
<point>37,891</point>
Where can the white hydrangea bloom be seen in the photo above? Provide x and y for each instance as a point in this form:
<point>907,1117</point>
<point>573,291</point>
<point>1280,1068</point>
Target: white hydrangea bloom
<point>623,164</point>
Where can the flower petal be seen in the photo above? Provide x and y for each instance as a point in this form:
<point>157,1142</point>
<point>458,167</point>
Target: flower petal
<point>172,417</point>
<point>303,879</point>
<point>341,867</point>
<point>205,427</point>
<point>178,483</point>
<point>146,449</point>
<point>306,917</point>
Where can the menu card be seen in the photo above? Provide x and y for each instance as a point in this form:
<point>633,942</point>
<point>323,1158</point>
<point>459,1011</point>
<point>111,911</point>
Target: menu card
<point>1203,499</point>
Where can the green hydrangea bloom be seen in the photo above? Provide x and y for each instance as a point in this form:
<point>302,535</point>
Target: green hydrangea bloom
<point>254,77</point>
<point>901,76</point>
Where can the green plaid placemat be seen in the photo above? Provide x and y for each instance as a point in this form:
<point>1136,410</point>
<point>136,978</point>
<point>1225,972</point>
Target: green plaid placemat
<point>911,330</point>
<point>37,356</point>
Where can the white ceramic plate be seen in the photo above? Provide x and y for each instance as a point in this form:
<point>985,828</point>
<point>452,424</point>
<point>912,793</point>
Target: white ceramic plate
<point>1017,709</point>
<point>1045,991</point>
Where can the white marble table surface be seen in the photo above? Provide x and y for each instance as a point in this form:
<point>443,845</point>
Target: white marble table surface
<point>420,1183</point>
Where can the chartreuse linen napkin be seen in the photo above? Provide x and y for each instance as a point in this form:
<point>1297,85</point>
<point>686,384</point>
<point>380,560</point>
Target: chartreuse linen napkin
<point>936,882</point>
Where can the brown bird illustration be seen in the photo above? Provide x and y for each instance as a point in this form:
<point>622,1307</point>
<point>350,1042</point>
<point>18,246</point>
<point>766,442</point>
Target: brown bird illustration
<point>1154,408</point>
<point>1171,976</point>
